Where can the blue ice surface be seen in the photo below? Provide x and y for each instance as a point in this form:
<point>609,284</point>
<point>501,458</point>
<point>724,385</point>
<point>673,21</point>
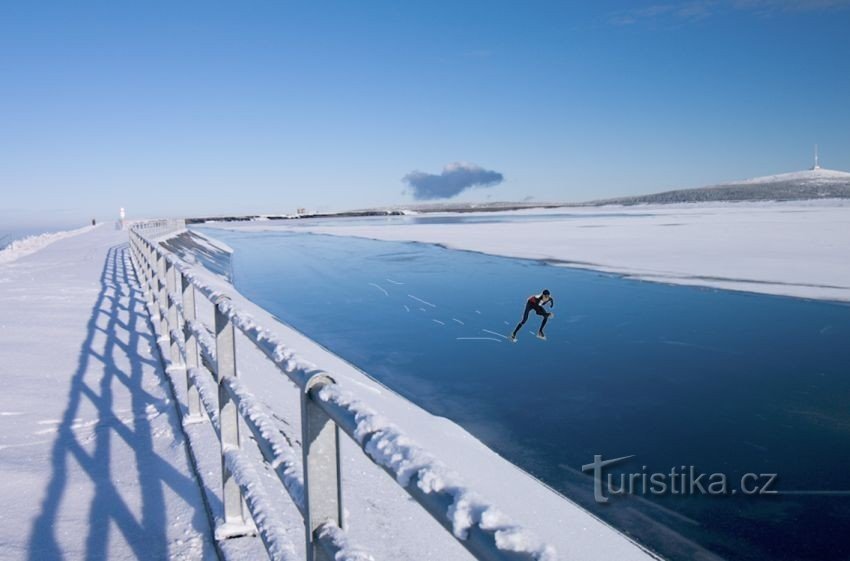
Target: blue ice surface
<point>725,381</point>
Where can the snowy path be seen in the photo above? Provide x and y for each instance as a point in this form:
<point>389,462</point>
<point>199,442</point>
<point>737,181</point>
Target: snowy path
<point>92,459</point>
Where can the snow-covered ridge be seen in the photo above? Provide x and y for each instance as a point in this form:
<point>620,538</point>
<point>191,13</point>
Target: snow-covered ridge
<point>817,175</point>
<point>31,244</point>
<point>813,184</point>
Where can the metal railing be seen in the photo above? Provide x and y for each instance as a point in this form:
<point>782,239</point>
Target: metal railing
<point>315,486</point>
<point>155,228</point>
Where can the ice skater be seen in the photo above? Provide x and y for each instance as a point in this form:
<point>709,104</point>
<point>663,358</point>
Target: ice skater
<point>536,303</point>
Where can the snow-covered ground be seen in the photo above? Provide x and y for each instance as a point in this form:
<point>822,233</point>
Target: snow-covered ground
<point>92,458</point>
<point>790,248</point>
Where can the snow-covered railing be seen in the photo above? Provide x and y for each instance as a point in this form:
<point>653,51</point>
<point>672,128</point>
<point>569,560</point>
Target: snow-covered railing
<point>155,228</point>
<point>314,484</point>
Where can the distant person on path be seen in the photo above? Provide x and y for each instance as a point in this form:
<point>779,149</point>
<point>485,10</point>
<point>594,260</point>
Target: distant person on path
<point>536,303</point>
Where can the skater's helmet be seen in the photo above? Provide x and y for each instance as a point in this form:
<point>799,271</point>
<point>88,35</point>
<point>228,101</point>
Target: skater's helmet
<point>546,292</point>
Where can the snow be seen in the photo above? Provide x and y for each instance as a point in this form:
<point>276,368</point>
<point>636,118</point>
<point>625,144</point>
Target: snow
<point>285,460</point>
<point>392,449</point>
<point>30,244</point>
<point>817,175</point>
<point>432,453</point>
<point>346,552</point>
<point>787,248</point>
<point>91,450</point>
<point>273,529</point>
<point>208,392</point>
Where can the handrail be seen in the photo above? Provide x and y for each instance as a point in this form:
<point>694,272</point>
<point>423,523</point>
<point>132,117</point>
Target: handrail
<point>314,484</point>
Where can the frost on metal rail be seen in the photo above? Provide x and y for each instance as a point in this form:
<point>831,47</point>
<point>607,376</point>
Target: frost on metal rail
<point>311,478</point>
<point>152,229</point>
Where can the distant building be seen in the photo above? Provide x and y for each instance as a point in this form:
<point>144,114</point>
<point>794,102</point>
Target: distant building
<point>301,211</point>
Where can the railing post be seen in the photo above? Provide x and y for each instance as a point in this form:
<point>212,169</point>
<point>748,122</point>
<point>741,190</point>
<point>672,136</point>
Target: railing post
<point>140,261</point>
<point>228,418</point>
<point>144,264</point>
<point>151,275</point>
<point>131,243</point>
<point>173,323</point>
<point>320,454</point>
<point>141,251</point>
<point>162,295</point>
<point>134,250</point>
<point>151,265</point>
<point>152,279</point>
<point>190,343</point>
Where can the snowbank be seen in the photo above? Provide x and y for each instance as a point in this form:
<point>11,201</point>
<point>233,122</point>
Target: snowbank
<point>31,244</point>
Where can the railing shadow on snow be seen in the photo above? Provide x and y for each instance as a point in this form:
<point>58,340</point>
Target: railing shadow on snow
<point>111,357</point>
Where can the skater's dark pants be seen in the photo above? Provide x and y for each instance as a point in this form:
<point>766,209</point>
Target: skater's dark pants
<point>540,312</point>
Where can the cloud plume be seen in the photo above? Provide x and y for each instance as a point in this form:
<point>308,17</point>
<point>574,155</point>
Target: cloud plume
<point>453,180</point>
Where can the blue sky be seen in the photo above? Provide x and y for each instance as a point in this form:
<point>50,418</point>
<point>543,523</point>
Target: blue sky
<point>194,108</point>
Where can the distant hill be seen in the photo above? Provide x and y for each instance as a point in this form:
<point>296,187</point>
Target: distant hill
<point>815,183</point>
<point>455,206</point>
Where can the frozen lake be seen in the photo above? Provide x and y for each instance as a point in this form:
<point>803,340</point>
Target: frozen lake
<point>727,382</point>
<point>456,218</point>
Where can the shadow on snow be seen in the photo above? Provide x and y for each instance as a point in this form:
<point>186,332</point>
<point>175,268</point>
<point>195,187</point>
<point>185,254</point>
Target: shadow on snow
<point>99,374</point>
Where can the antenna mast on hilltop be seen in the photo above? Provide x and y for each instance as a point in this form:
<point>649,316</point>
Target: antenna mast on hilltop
<point>817,164</point>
